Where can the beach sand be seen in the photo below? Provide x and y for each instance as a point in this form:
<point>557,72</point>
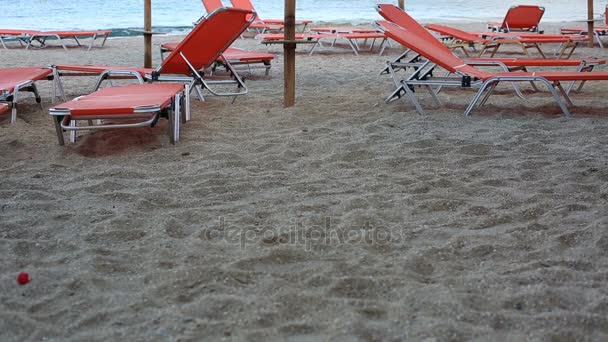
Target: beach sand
<point>340,219</point>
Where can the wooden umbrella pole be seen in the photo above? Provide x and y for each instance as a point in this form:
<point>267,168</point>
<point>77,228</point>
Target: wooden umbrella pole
<point>147,34</point>
<point>289,50</point>
<point>402,4</point>
<point>590,29</point>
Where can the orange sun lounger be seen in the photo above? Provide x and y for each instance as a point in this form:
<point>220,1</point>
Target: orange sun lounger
<point>317,40</point>
<point>401,18</point>
<point>146,103</point>
<point>197,51</point>
<point>13,81</point>
<point>492,44</point>
<point>467,76</point>
<point>38,39</point>
<point>520,18</point>
<point>247,4</point>
<point>21,36</point>
<point>598,31</point>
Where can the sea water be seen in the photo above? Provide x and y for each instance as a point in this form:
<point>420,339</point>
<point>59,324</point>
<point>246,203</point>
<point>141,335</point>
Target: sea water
<point>178,15</point>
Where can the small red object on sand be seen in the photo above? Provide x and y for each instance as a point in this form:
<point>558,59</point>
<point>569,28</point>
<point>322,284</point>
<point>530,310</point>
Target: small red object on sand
<point>23,278</point>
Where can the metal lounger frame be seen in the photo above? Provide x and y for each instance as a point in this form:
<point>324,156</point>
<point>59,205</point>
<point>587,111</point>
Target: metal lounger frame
<point>64,121</point>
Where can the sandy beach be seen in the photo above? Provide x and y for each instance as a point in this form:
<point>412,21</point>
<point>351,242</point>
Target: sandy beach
<point>340,219</point>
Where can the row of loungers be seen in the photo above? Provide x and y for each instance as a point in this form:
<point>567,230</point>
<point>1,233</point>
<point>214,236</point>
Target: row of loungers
<point>39,39</point>
<point>151,101</point>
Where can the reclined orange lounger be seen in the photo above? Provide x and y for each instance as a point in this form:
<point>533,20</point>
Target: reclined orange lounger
<point>247,4</point>
<point>520,18</point>
<point>525,42</point>
<point>13,81</point>
<point>143,102</point>
<point>216,32</point>
<point>235,56</point>
<point>467,76</point>
<point>401,18</point>
<point>197,51</point>
<point>598,31</point>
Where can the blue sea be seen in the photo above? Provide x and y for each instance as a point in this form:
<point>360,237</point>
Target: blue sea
<point>178,15</point>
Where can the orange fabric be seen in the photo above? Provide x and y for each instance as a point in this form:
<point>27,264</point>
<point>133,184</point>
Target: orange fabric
<point>101,68</point>
<point>282,22</point>
<point>443,57</point>
<point>361,35</point>
<point>209,38</point>
<point>523,17</point>
<point>11,77</point>
<point>123,99</point>
<point>233,54</point>
<point>342,30</point>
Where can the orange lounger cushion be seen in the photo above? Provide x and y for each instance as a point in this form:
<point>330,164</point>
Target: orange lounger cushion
<point>98,69</point>
<point>11,77</point>
<point>67,34</point>
<point>122,100</point>
<point>16,32</point>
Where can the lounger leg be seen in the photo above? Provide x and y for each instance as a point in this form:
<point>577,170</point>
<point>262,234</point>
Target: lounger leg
<point>557,98</point>
<point>488,93</point>
<point>177,114</point>
<point>57,121</point>
<point>475,99</point>
<point>412,97</point>
<point>597,37</point>
<point>567,97</point>
<point>353,46</point>
<point>187,101</point>
<point>92,42</point>
<point>72,132</point>
<point>34,90</point>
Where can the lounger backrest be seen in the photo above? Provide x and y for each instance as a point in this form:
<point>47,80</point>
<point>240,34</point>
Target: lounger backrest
<point>207,40</point>
<point>438,54</point>
<point>398,16</point>
<point>456,33</point>
<point>212,5</point>
<point>523,17</point>
<point>245,4</point>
